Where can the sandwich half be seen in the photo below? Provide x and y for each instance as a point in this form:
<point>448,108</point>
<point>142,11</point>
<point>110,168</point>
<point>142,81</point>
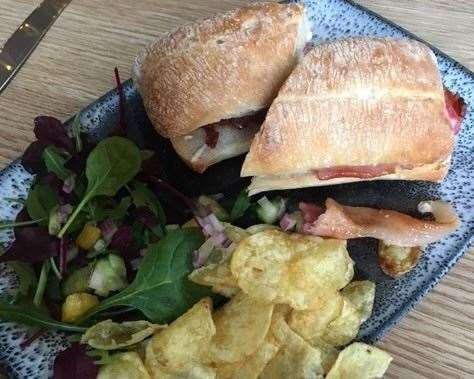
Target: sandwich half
<point>352,110</point>
<point>207,85</point>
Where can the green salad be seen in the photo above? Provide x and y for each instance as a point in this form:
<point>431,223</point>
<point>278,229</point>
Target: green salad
<point>92,242</point>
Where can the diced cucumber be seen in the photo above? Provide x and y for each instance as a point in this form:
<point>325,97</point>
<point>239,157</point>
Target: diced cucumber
<point>77,281</point>
<point>270,211</point>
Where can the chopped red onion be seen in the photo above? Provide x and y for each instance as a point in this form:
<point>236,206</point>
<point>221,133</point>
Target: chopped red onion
<point>206,228</point>
<point>216,224</point>
<point>201,255</point>
<point>214,230</point>
<point>218,239</point>
<point>69,183</point>
<point>210,224</point>
<point>63,213</point>
<point>108,228</point>
<point>287,222</point>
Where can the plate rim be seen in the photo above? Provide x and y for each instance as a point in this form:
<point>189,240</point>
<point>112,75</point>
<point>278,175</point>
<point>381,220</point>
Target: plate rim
<point>465,245</point>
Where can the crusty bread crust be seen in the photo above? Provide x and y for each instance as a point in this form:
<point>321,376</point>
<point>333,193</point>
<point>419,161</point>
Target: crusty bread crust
<point>429,172</point>
<point>356,102</point>
<point>225,66</point>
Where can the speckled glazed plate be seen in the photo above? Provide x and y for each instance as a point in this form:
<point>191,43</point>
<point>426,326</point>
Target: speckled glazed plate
<point>331,19</point>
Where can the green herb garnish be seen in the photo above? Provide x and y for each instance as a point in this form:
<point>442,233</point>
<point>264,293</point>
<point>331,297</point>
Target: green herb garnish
<point>242,203</point>
<point>112,164</point>
<point>54,162</point>
<point>41,200</point>
<point>142,196</point>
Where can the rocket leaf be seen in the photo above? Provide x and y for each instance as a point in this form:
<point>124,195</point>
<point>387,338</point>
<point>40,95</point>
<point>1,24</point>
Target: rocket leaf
<point>161,290</point>
<point>28,314</point>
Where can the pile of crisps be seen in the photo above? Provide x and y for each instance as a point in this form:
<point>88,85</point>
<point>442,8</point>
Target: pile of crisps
<point>292,309</point>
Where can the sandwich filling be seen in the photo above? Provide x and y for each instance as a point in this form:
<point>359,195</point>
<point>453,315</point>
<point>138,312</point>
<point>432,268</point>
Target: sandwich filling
<point>253,121</point>
<point>347,174</point>
<point>218,141</point>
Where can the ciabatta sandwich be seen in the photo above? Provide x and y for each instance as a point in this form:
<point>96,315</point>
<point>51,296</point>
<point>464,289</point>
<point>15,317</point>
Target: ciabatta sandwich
<point>352,110</point>
<point>215,74</point>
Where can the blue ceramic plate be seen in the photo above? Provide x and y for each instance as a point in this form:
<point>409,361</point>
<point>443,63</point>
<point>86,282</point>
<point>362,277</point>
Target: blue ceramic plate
<point>331,19</point>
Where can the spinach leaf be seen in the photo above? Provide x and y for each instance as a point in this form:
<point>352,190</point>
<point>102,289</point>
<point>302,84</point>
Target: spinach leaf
<point>99,213</point>
<point>26,276</point>
<point>144,197</point>
<point>55,162</point>
<point>161,289</point>
<point>242,203</point>
<point>112,164</point>
<point>29,314</point>
<point>40,201</point>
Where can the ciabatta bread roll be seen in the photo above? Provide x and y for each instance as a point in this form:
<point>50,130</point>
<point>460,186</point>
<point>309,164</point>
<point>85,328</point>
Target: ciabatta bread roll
<point>225,66</point>
<point>355,109</point>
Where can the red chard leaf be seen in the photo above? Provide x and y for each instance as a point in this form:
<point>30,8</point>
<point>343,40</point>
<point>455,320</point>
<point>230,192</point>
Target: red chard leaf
<point>32,159</point>
<point>32,244</point>
<point>22,216</point>
<point>122,239</point>
<point>50,130</point>
<point>121,130</point>
<point>74,363</point>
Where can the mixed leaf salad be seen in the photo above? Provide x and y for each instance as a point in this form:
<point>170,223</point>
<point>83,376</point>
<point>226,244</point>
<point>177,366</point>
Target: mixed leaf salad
<point>93,243</point>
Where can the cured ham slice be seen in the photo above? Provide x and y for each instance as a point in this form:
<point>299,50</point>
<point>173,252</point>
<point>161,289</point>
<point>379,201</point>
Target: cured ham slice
<point>455,110</point>
<point>363,172</point>
<point>310,211</point>
<point>394,228</point>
